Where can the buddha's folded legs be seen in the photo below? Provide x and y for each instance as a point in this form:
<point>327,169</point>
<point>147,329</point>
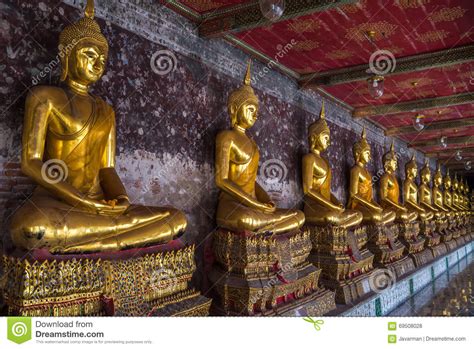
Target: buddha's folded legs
<point>319,215</point>
<point>371,217</point>
<point>235,216</point>
<point>44,222</point>
<point>406,217</point>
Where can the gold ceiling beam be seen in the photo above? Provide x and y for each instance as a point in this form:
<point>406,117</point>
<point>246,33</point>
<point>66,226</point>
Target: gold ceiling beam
<point>462,140</point>
<point>414,105</point>
<point>238,18</point>
<point>443,58</point>
<point>457,124</point>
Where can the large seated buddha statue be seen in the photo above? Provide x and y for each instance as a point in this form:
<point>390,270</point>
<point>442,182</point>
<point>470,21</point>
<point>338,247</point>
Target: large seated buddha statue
<point>361,194</point>
<point>243,203</point>
<point>80,203</point>
<point>390,190</point>
<point>321,206</point>
<point>410,190</point>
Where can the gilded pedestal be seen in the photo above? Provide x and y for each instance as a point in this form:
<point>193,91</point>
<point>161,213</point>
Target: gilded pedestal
<point>150,281</point>
<point>389,253</point>
<point>446,229</point>
<point>345,261</point>
<point>414,242</point>
<point>266,274</point>
<point>433,239</point>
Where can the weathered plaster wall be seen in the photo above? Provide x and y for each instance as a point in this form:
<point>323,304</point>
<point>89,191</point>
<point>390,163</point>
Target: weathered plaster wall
<point>166,123</point>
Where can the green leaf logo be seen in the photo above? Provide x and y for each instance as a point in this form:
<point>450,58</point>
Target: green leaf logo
<point>19,329</point>
<point>316,323</point>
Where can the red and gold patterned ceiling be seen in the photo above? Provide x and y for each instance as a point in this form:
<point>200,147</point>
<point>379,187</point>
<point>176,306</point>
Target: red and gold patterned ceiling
<point>327,46</point>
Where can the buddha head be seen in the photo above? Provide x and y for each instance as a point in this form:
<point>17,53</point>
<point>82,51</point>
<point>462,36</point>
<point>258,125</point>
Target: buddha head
<point>438,177</point>
<point>461,186</point>
<point>411,168</point>
<point>361,150</point>
<point>455,183</point>
<point>243,104</point>
<point>318,133</point>
<point>425,173</point>
<point>447,181</point>
<point>83,49</point>
<point>389,160</point>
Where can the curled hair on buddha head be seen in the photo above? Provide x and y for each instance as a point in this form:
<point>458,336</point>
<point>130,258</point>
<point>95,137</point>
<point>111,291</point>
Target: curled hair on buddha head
<point>426,168</point>
<point>390,155</point>
<point>321,125</point>
<point>438,174</point>
<point>360,146</point>
<point>243,94</point>
<point>84,30</point>
<point>447,178</point>
<point>412,163</point>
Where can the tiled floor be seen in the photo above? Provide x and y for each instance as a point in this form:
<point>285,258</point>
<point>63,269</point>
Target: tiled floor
<point>451,294</point>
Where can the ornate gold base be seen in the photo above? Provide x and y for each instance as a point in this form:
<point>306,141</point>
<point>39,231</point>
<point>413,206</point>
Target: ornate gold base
<point>384,244</point>
<point>421,258</point>
<point>265,274</point>
<point>349,291</point>
<point>344,259</point>
<point>410,238</point>
<point>438,250</point>
<point>451,245</point>
<point>142,281</point>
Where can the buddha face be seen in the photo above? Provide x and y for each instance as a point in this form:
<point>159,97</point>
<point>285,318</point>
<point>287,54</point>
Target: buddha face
<point>390,164</point>
<point>86,63</point>
<point>320,141</point>
<point>411,172</point>
<point>364,156</point>
<point>447,183</point>
<point>437,180</point>
<point>426,177</point>
<point>246,115</point>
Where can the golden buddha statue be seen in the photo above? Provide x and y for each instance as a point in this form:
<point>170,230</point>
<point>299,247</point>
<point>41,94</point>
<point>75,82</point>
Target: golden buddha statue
<point>361,196</point>
<point>462,194</point>
<point>390,190</point>
<point>410,190</point>
<point>438,201</point>
<point>424,192</point>
<point>88,209</point>
<point>448,195</point>
<point>243,203</point>
<point>321,206</point>
<point>456,198</point>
